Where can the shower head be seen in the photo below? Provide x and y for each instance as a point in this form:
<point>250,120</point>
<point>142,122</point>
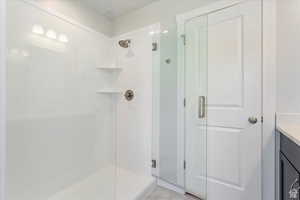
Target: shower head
<point>125,43</point>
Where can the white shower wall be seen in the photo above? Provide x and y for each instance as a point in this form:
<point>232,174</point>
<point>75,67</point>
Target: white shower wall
<point>59,130</point>
<point>66,141</point>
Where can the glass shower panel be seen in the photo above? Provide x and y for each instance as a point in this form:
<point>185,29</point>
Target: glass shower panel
<point>169,159</point>
<point>61,140</point>
<point>195,60</point>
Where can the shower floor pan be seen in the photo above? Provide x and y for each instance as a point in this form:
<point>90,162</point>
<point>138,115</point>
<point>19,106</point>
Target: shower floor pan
<point>100,186</point>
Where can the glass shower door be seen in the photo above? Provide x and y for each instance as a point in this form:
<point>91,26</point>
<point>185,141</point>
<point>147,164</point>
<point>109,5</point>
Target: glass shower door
<point>195,61</point>
<point>169,156</point>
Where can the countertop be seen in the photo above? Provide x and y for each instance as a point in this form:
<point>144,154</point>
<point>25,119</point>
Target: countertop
<point>290,130</point>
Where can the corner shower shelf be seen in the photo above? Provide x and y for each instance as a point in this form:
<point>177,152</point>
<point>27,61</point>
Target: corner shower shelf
<point>110,68</point>
<point>109,91</point>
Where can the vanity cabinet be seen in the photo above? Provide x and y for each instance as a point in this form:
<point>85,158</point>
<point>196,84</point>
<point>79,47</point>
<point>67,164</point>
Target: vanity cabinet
<point>289,179</point>
<point>289,169</point>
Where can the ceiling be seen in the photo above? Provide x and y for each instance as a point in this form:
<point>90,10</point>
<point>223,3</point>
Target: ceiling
<point>115,8</point>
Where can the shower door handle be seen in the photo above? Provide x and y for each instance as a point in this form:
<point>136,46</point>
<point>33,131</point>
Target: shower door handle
<point>201,109</point>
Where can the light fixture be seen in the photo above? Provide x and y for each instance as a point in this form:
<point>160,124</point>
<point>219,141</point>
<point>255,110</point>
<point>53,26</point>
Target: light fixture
<point>63,38</point>
<point>38,29</point>
<point>51,34</point>
<point>165,32</point>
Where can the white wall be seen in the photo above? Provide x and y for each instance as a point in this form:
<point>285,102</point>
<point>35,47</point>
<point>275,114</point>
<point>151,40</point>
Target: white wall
<point>2,98</point>
<point>163,11</point>
<point>288,62</point>
<point>58,128</point>
<point>288,59</point>
<point>269,98</point>
<point>79,12</point>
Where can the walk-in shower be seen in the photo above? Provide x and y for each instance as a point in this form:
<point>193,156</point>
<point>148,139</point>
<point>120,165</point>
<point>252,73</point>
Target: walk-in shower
<point>109,104</point>
<point>71,133</point>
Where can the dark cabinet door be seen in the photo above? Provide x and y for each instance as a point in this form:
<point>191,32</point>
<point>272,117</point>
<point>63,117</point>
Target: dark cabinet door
<point>289,180</point>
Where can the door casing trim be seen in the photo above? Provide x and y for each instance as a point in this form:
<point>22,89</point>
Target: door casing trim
<point>2,98</point>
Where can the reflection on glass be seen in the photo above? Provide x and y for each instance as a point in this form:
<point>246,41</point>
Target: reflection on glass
<point>51,34</point>
<point>63,38</point>
<point>38,29</point>
<point>15,53</point>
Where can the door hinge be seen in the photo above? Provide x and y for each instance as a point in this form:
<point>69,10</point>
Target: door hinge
<point>154,164</point>
<point>183,39</point>
<point>154,46</point>
<point>184,165</point>
<point>262,119</point>
<point>184,102</point>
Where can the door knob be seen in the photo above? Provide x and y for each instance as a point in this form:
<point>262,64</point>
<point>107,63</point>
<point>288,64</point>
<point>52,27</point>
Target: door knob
<point>252,120</point>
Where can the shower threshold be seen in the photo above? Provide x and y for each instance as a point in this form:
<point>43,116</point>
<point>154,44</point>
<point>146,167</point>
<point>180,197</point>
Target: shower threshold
<point>110,183</point>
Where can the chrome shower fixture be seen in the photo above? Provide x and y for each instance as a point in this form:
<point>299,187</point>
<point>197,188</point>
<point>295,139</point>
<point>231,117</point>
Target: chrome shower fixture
<point>125,43</point>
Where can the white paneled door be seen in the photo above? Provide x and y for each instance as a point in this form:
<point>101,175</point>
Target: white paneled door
<point>223,103</point>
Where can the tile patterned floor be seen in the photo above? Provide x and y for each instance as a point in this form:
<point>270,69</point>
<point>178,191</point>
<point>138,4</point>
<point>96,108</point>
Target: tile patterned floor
<point>163,194</point>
